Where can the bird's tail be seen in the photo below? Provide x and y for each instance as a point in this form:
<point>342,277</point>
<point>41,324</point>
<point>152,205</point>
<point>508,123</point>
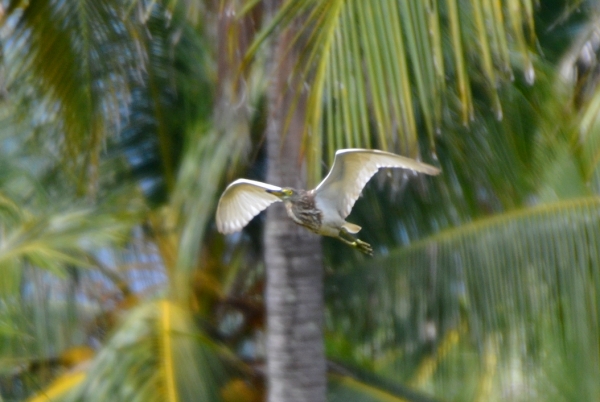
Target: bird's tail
<point>351,227</point>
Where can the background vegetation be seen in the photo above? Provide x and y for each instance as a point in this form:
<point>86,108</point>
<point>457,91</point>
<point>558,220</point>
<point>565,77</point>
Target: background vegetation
<point>121,122</point>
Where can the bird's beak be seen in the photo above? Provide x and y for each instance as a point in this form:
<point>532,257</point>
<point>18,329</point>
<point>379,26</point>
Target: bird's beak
<point>276,193</point>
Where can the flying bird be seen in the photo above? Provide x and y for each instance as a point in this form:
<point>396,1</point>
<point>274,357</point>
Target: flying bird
<point>322,210</point>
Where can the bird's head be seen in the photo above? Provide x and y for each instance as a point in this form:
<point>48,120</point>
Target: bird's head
<point>286,193</point>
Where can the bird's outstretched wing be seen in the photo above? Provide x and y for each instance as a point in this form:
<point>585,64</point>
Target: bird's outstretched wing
<point>352,169</point>
<point>241,201</point>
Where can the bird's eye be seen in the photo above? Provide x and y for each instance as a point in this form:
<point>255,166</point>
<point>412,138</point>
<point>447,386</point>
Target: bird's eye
<point>289,191</point>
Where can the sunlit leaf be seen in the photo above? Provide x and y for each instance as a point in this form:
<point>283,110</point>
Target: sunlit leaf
<point>67,57</point>
<point>156,355</point>
<point>60,387</point>
<point>377,72</point>
<point>530,275</point>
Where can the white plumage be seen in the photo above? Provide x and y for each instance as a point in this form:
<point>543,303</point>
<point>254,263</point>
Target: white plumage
<point>353,168</point>
<point>332,199</point>
<point>241,201</point>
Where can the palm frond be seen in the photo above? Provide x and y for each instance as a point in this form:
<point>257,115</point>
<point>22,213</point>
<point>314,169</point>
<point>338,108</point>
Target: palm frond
<point>527,278</point>
<point>579,70</point>
<point>344,389</point>
<point>170,97</point>
<point>378,71</point>
<point>215,150</point>
<point>200,179</point>
<point>491,167</point>
<point>156,355</point>
<point>47,305</point>
<point>55,240</point>
<point>361,386</point>
<point>60,387</point>
<point>78,59</point>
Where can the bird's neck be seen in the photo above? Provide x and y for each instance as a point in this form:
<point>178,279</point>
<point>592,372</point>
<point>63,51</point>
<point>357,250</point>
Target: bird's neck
<point>303,211</point>
<point>292,212</point>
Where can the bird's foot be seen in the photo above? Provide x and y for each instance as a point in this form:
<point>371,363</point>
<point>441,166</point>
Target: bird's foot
<point>363,247</point>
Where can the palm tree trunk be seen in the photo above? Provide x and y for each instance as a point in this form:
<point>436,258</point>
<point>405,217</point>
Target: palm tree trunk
<point>296,365</point>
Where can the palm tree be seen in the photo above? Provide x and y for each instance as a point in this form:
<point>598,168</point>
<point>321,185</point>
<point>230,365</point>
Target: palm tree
<point>293,261</point>
<point>378,73</point>
<point>102,103</point>
<point>485,278</point>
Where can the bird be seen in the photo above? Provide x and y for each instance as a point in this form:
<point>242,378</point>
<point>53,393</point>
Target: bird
<point>322,210</point>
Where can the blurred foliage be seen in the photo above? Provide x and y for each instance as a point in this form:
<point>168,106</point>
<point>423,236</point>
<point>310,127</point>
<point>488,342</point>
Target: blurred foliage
<point>120,122</point>
<point>381,73</point>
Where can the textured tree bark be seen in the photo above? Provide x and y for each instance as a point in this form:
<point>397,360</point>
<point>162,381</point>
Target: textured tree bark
<point>296,364</point>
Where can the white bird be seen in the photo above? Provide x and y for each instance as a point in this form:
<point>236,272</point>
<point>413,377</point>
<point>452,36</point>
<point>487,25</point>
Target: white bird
<point>322,210</point>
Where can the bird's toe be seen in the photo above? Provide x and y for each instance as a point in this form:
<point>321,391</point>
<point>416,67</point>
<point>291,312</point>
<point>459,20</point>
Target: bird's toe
<point>364,247</point>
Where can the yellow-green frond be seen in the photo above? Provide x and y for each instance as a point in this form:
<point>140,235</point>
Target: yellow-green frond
<point>59,389</point>
<point>515,286</point>
<point>156,355</point>
<point>378,73</point>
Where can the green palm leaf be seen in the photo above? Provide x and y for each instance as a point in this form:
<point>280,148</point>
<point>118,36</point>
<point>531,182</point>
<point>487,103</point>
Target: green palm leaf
<point>529,277</point>
<point>60,387</point>
<point>365,387</point>
<point>43,289</point>
<point>156,355</point>
<point>78,59</point>
<point>378,72</point>
<point>53,241</point>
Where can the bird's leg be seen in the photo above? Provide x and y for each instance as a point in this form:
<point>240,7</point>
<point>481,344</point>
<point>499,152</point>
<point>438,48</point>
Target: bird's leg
<point>347,238</point>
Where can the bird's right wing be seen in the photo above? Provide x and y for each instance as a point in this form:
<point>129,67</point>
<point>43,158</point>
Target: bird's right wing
<point>241,201</point>
<point>352,169</point>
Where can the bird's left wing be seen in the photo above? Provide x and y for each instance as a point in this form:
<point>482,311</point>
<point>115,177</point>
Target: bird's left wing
<point>241,201</point>
<point>352,169</point>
